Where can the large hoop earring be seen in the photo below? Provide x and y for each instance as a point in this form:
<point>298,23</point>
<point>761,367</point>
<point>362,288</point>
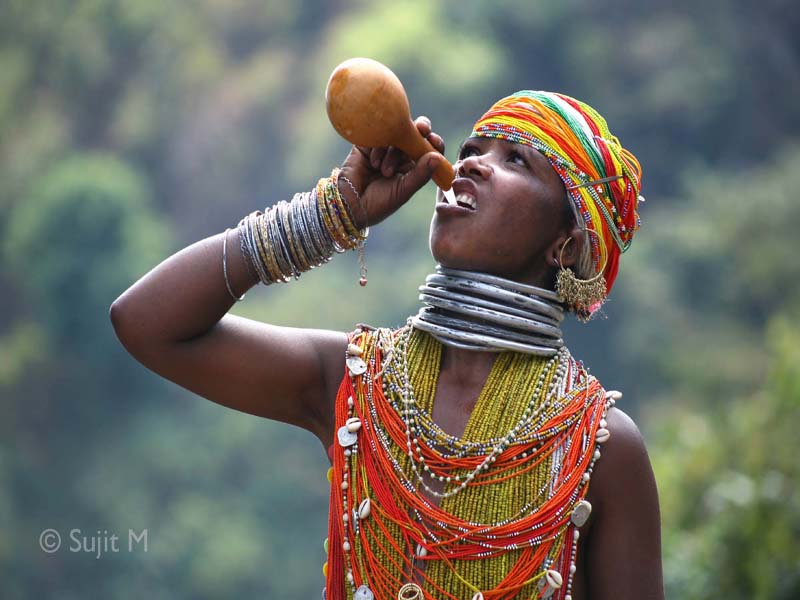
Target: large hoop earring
<point>582,296</point>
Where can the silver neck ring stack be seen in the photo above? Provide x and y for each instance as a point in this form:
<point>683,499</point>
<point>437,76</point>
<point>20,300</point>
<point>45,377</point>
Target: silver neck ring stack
<point>476,311</point>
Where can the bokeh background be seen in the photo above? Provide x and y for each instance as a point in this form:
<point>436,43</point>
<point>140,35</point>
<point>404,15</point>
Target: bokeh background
<point>129,130</point>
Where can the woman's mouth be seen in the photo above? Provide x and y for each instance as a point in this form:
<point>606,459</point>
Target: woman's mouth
<point>466,201</point>
<point>465,205</point>
<point>465,194</point>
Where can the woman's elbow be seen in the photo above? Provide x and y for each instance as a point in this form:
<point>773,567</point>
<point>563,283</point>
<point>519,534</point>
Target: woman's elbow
<point>124,323</point>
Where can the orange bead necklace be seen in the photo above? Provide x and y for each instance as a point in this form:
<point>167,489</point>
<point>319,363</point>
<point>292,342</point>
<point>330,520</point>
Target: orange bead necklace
<point>382,526</point>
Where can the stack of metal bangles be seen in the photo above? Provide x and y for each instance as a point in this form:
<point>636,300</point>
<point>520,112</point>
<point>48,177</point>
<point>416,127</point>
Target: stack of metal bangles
<point>477,311</point>
<point>293,237</point>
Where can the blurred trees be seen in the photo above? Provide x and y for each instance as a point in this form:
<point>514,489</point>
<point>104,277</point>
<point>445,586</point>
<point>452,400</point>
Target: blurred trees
<point>128,130</point>
<point>720,364</point>
<point>81,235</point>
<point>728,485</point>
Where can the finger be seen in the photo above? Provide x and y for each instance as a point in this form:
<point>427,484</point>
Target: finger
<point>423,125</point>
<point>364,151</point>
<point>376,157</point>
<point>392,160</point>
<point>358,162</point>
<point>412,181</point>
<point>437,142</point>
<point>404,168</point>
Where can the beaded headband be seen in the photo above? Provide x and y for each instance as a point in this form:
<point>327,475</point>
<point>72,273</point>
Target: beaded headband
<point>602,179</point>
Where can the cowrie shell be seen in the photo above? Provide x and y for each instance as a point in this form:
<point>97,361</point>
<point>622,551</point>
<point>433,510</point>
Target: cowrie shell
<point>581,512</point>
<point>364,509</point>
<point>554,579</point>
<point>602,435</point>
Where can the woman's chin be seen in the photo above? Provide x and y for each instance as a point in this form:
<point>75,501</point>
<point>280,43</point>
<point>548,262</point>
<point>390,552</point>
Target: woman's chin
<point>461,263</point>
<point>448,257</point>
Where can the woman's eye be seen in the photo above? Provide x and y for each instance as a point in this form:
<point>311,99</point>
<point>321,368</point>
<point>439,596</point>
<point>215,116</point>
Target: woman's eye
<point>468,151</point>
<point>517,158</point>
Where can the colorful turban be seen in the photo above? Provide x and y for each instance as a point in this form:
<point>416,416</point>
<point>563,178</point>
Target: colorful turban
<point>601,177</point>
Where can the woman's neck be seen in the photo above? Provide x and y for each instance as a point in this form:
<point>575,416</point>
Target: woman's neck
<point>466,366</point>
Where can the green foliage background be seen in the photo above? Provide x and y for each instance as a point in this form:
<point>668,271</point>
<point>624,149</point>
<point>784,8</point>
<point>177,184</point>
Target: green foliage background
<point>131,129</point>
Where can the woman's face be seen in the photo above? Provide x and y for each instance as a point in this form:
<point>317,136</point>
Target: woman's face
<point>517,219</point>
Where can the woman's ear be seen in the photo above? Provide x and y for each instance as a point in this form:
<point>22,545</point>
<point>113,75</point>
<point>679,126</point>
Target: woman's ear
<point>566,248</point>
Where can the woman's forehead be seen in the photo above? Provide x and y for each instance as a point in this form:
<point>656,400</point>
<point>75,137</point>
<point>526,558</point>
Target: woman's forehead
<point>485,143</point>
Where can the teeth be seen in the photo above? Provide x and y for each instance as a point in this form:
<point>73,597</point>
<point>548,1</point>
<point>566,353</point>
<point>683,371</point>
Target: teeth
<point>467,199</point>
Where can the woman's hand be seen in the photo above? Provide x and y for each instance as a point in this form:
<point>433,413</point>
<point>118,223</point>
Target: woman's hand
<point>386,178</point>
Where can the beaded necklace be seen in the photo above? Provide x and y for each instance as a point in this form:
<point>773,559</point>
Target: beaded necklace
<point>508,520</point>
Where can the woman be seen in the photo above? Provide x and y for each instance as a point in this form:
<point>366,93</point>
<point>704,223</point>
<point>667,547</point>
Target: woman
<point>472,456</point>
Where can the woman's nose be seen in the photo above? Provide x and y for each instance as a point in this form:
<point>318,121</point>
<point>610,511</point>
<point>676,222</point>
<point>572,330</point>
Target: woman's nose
<point>475,164</point>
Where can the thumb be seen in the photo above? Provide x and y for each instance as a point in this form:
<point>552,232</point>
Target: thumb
<point>421,174</point>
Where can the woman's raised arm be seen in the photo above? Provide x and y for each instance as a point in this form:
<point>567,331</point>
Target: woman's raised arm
<point>174,319</point>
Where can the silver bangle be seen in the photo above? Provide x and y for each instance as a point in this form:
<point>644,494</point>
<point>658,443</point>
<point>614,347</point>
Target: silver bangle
<point>225,265</point>
<point>471,341</point>
<point>502,320</point>
<point>479,311</point>
<point>290,238</point>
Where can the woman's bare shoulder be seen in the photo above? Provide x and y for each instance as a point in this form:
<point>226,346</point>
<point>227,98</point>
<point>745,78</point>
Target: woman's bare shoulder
<point>624,546</point>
